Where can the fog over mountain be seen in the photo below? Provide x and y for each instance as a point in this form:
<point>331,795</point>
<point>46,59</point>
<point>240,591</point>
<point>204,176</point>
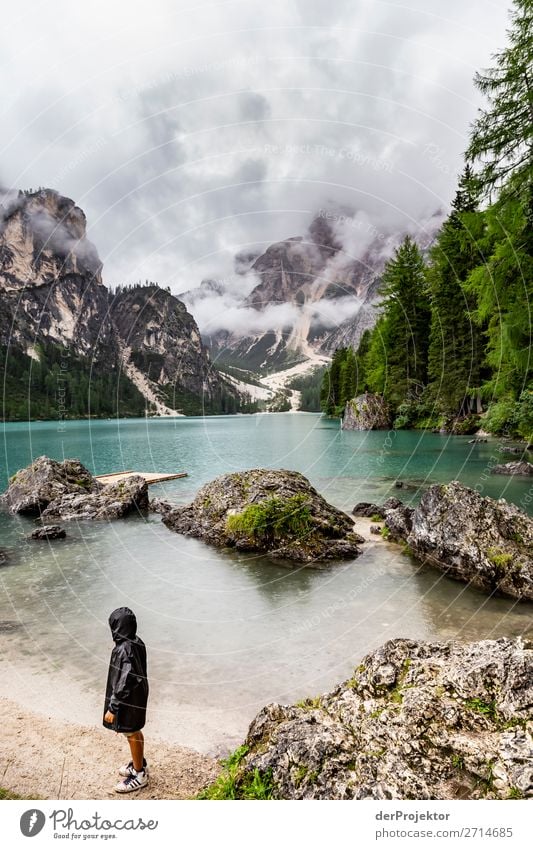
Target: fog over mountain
<point>189,132</point>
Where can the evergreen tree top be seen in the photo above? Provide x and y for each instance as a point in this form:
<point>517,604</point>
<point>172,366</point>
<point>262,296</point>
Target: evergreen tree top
<point>501,140</point>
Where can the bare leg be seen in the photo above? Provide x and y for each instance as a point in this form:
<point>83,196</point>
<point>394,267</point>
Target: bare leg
<point>136,742</point>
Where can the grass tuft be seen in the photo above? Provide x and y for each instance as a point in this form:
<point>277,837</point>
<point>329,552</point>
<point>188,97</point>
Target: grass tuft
<point>232,785</point>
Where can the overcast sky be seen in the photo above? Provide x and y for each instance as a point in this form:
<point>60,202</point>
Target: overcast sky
<point>188,131</point>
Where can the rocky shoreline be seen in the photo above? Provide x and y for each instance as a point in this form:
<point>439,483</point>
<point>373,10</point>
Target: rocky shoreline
<point>416,721</point>
<point>475,539</point>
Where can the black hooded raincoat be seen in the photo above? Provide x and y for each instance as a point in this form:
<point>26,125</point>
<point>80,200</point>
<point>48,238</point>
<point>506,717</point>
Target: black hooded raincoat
<point>126,692</point>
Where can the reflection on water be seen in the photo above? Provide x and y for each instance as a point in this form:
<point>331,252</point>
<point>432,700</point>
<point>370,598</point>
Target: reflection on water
<point>229,632</point>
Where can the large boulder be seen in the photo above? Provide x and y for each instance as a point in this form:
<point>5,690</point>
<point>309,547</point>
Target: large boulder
<point>417,721</point>
<point>475,539</point>
<point>113,501</point>
<point>32,489</point>
<point>366,412</point>
<point>265,510</point>
<point>520,467</point>
<point>67,490</point>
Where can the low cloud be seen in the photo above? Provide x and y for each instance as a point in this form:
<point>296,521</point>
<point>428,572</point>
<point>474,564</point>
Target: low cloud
<point>214,314</point>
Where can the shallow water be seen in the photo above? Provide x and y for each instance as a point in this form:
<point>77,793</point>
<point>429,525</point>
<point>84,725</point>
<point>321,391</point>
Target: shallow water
<point>227,632</point>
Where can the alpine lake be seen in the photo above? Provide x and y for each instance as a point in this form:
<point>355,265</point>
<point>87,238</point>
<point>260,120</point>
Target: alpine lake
<point>228,632</point>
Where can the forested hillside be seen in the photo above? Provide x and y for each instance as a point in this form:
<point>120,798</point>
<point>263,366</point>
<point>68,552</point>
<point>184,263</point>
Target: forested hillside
<point>452,346</point>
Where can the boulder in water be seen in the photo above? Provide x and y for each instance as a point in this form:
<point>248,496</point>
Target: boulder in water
<point>368,510</point>
<point>520,467</point>
<point>366,412</point>
<point>113,501</point>
<point>32,489</point>
<point>398,519</point>
<point>475,539</point>
<point>273,511</point>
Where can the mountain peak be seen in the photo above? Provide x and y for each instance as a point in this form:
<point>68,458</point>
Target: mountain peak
<point>43,239</point>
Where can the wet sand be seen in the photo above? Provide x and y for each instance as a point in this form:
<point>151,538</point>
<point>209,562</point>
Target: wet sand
<point>45,758</point>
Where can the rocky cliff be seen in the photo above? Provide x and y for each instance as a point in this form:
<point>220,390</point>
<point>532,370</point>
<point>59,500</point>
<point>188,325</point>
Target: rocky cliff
<point>69,491</point>
<point>68,347</point>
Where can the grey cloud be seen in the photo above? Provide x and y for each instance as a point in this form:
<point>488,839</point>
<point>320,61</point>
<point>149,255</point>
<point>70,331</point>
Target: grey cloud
<point>153,122</point>
<point>254,106</point>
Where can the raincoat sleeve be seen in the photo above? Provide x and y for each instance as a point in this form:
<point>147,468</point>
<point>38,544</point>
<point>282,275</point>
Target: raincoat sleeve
<point>121,688</point>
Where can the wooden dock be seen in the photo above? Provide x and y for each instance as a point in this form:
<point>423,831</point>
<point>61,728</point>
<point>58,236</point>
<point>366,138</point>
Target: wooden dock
<point>150,477</point>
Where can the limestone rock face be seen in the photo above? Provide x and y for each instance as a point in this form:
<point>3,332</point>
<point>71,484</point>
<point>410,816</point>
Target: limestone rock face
<point>417,721</point>
<point>32,489</point>
<point>520,467</point>
<point>301,526</point>
<point>366,412</point>
<point>113,501</point>
<point>484,542</point>
<point>43,238</point>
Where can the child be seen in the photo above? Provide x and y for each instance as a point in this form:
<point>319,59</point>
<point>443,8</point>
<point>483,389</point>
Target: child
<point>127,694</point>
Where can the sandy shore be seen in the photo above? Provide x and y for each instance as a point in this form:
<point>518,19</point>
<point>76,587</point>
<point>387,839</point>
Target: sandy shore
<point>42,757</point>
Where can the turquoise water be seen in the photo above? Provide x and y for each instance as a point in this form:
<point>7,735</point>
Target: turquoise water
<point>229,632</point>
<point>345,465</point>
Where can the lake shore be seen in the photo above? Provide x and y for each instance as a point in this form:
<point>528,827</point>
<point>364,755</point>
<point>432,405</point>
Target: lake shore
<point>46,758</point>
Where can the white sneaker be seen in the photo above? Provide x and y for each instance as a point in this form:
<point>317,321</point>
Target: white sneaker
<point>133,782</point>
<point>127,769</point>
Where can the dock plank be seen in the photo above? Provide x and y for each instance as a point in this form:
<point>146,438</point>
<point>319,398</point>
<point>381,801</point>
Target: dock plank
<point>150,477</point>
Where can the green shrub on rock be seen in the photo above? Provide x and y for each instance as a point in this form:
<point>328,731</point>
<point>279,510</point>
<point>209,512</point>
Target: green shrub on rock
<point>272,519</point>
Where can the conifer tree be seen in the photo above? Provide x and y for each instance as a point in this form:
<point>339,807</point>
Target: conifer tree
<point>501,140</point>
<point>331,391</point>
<point>502,146</point>
<point>455,340</point>
<point>405,324</point>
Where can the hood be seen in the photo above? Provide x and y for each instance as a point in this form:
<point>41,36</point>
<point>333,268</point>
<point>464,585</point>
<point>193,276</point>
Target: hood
<point>123,624</point>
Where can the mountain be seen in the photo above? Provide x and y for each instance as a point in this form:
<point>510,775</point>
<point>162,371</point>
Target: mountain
<point>310,295</point>
<point>163,353</point>
<point>349,332</point>
<point>69,347</point>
